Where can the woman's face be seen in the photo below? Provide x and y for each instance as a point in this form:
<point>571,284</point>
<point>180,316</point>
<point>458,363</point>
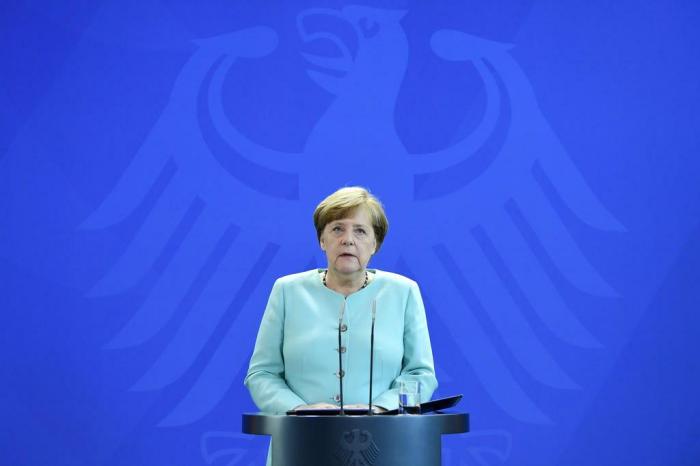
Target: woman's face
<point>349,242</point>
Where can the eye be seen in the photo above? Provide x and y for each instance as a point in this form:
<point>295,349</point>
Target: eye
<point>369,27</point>
<point>360,231</point>
<point>336,229</point>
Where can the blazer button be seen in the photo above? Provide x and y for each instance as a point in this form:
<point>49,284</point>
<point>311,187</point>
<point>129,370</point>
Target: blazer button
<point>343,328</point>
<point>337,398</point>
<point>341,374</point>
<point>342,349</point>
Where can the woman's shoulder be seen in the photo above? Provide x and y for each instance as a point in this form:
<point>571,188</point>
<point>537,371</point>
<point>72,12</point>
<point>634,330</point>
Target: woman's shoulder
<point>300,278</point>
<point>393,279</point>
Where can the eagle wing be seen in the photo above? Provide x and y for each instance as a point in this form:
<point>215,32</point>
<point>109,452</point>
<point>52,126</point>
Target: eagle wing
<point>502,240</point>
<point>208,191</point>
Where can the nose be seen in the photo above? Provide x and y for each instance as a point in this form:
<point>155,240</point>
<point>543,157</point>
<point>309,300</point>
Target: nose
<point>347,239</point>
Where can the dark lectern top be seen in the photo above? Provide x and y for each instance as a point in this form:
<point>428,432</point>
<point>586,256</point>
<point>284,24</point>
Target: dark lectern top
<point>437,423</point>
<point>406,440</point>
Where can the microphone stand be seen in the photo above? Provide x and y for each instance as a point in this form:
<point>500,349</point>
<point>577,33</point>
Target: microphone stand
<point>340,358</point>
<point>371,355</point>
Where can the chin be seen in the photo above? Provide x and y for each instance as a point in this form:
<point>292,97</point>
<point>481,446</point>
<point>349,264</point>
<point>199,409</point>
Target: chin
<point>349,268</point>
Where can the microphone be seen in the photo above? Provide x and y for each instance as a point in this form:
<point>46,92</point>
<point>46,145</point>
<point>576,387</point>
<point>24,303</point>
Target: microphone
<point>371,355</point>
<point>340,357</point>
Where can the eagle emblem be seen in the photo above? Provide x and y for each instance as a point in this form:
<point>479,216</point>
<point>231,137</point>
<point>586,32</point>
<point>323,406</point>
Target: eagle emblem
<point>477,223</point>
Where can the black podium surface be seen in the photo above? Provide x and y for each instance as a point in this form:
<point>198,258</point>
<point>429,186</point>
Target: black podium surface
<point>406,440</point>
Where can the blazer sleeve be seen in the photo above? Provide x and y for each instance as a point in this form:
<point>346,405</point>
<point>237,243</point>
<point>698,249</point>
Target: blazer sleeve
<point>265,378</point>
<point>417,363</point>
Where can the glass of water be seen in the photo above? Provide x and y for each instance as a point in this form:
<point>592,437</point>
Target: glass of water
<point>409,397</point>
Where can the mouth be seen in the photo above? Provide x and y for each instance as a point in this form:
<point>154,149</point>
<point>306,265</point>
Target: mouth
<point>347,255</point>
<point>330,41</point>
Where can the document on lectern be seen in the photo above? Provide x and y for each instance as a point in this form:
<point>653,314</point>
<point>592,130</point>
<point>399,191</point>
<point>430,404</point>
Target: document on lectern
<point>427,407</point>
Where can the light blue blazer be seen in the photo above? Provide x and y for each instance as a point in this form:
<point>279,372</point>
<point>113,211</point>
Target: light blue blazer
<point>295,360</point>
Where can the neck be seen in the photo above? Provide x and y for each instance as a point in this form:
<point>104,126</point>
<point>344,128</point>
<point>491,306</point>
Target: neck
<point>345,284</point>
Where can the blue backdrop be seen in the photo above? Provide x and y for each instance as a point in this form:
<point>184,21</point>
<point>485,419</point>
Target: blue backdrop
<point>538,161</point>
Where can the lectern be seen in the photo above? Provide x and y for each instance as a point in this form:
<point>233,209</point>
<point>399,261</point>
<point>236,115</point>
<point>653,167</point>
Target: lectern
<point>405,440</point>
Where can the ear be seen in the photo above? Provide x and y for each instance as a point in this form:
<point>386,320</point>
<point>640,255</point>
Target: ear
<point>322,243</point>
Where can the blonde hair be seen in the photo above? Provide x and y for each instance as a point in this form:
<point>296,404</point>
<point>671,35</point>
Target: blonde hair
<point>343,203</point>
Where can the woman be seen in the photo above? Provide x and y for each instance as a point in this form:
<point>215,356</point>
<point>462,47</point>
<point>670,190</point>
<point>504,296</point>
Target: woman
<point>295,361</point>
